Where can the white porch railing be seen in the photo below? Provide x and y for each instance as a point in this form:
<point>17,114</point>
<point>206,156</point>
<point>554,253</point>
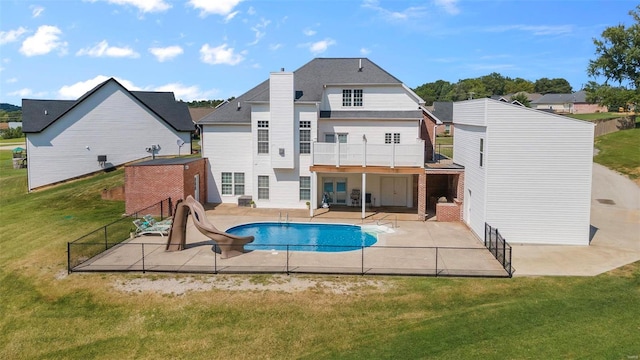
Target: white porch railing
<point>392,155</point>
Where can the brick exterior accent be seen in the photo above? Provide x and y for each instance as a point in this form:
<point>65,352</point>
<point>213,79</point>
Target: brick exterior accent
<point>149,184</point>
<point>447,212</point>
<point>116,193</point>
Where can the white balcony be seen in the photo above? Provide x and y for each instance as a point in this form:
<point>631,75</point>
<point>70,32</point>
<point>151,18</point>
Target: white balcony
<point>364,154</point>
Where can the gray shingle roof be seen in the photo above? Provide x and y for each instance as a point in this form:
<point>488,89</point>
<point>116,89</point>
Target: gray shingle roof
<point>576,97</point>
<point>37,115</point>
<point>443,110</point>
<point>309,81</point>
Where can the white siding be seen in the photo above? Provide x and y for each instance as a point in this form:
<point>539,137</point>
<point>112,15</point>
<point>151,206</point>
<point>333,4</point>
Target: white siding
<point>374,130</point>
<point>110,122</point>
<point>539,177</point>
<point>281,124</point>
<point>373,98</point>
<point>466,152</point>
<point>228,148</point>
<point>537,173</point>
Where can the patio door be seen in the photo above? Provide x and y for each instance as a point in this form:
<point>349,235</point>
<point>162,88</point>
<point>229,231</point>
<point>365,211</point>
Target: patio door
<point>393,191</point>
<point>335,190</point>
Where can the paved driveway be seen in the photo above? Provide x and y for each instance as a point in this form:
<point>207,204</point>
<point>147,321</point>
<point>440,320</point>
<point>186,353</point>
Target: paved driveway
<point>615,221</point>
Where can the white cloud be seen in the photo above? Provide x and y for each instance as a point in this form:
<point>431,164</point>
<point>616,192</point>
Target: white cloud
<point>231,16</point>
<point>45,40</point>
<point>166,53</point>
<point>534,29</point>
<point>186,93</point>
<point>12,80</point>
<point>222,54</point>
<point>274,47</point>
<point>145,6</point>
<point>36,10</point>
<point>320,46</point>
<point>78,89</point>
<point>21,93</point>
<point>309,32</point>
<point>217,7</point>
<point>450,6</point>
<point>11,35</point>
<point>395,16</point>
<point>259,29</point>
<point>365,51</point>
<point>251,10</point>
<point>102,49</point>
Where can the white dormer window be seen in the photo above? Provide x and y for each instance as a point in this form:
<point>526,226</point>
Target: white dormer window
<point>352,97</point>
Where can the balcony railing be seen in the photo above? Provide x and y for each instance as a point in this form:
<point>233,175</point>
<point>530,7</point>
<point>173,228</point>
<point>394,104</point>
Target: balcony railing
<point>391,155</point>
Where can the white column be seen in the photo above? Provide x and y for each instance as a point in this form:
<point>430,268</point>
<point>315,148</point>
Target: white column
<point>363,194</point>
<point>314,193</point>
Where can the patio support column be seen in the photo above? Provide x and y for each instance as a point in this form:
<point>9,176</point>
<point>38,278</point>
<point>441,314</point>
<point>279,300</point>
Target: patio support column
<point>422,195</point>
<point>363,195</point>
<point>314,193</point>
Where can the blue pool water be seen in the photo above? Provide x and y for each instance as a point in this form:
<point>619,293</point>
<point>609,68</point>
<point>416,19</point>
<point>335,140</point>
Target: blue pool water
<point>304,236</point>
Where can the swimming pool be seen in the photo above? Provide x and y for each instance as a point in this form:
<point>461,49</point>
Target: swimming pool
<point>304,236</point>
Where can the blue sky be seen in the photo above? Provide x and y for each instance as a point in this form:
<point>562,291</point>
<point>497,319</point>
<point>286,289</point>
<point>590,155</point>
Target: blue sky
<point>214,49</point>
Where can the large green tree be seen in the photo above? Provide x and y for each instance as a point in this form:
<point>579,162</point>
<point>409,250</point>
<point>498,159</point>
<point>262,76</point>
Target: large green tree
<point>552,86</point>
<point>618,56</point>
<point>434,91</point>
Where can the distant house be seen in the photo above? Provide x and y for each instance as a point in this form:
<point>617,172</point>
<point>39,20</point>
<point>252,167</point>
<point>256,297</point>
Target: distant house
<point>575,103</point>
<point>444,112</point>
<point>106,127</point>
<point>527,172</point>
<point>507,98</point>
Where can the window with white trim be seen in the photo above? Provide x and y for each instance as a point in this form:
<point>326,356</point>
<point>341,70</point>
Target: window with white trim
<point>481,152</point>
<point>346,97</point>
<point>227,183</point>
<point>305,137</point>
<point>357,97</point>
<point>263,187</point>
<point>305,187</point>
<point>331,137</point>
<point>232,183</point>
<point>392,138</point>
<point>238,183</point>
<point>263,137</point>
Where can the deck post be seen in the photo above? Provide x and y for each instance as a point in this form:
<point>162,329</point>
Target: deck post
<point>363,194</point>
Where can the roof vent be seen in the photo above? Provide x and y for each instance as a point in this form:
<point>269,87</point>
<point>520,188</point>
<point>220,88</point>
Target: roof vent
<point>360,65</point>
<point>238,108</point>
<point>46,112</point>
<point>282,69</point>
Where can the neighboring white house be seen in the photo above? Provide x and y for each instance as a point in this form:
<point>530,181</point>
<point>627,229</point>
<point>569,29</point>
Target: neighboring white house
<point>527,172</point>
<point>108,126</point>
<point>335,129</point>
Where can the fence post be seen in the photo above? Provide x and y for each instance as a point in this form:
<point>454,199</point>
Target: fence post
<point>503,251</point>
<point>105,238</point>
<point>161,209</point>
<point>361,260</point>
<point>436,261</point>
<point>287,259</point>
<point>68,258</point>
<point>142,257</point>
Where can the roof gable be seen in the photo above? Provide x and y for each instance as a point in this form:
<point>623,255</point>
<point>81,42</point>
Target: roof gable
<point>39,114</point>
<point>309,82</point>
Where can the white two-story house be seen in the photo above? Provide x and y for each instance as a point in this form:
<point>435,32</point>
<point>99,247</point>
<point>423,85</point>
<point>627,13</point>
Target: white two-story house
<point>340,131</point>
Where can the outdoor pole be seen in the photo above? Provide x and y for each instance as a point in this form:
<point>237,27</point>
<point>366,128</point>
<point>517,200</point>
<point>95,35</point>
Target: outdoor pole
<point>105,238</point>
<point>287,259</point>
<point>436,262</point>
<point>142,257</point>
<point>68,258</point>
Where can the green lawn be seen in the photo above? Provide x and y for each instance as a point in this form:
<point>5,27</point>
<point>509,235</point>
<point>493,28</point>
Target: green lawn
<point>597,116</point>
<point>620,151</point>
<point>47,315</point>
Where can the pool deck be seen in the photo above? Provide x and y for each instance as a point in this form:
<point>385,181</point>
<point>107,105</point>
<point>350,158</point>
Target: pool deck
<point>404,246</point>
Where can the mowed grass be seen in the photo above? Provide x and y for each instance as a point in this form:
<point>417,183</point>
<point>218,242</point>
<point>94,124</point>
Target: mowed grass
<point>47,315</point>
<point>597,116</point>
<point>620,151</point>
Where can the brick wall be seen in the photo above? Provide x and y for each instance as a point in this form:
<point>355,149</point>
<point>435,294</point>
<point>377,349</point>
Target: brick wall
<point>422,196</point>
<point>149,184</point>
<point>447,212</point>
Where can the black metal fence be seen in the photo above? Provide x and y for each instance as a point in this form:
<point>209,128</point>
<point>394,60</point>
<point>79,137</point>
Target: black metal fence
<point>96,242</point>
<point>147,254</point>
<point>499,247</point>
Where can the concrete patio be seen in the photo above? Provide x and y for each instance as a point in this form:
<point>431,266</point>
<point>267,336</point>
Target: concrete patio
<point>403,247</point>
